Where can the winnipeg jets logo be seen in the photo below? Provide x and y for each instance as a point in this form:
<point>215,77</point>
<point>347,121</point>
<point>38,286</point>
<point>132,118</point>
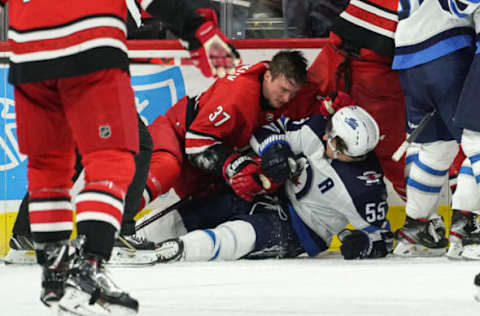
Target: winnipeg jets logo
<point>351,122</point>
<point>370,177</point>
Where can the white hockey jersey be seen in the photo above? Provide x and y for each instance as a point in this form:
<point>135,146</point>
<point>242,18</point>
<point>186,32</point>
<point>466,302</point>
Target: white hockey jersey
<point>427,31</point>
<point>327,195</point>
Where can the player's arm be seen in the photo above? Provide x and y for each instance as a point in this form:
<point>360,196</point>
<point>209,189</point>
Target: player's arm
<point>206,150</point>
<point>280,142</point>
<point>208,46</point>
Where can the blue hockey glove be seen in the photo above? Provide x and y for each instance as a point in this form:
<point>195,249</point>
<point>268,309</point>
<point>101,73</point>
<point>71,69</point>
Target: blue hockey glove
<point>278,162</point>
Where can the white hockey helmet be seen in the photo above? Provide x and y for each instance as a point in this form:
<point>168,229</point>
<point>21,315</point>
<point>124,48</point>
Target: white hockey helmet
<point>357,129</point>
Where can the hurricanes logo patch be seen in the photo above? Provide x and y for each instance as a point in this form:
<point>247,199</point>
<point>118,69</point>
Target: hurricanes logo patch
<point>104,131</point>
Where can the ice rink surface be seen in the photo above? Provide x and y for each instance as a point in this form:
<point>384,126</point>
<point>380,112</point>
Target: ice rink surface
<point>324,286</point>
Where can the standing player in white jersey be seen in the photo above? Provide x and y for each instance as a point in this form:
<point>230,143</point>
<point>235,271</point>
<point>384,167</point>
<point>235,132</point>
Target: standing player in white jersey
<point>69,68</point>
<point>466,200</point>
<point>337,180</point>
<point>433,53</point>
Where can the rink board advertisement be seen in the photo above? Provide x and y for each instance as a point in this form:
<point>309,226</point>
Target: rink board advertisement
<point>156,88</point>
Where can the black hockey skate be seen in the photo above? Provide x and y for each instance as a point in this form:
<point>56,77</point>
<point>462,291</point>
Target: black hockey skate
<point>170,250</point>
<point>421,238</point>
<point>21,250</point>
<point>134,242</point>
<point>90,291</point>
<point>55,261</point>
<point>133,250</point>
<point>463,225</point>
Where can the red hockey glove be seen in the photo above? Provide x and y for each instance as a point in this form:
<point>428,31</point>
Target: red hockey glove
<point>334,102</point>
<point>208,15</point>
<point>244,175</point>
<point>215,57</point>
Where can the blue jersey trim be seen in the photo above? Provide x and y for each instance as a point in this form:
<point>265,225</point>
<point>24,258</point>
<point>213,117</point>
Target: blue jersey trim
<point>425,55</point>
<point>281,141</point>
<point>303,234</point>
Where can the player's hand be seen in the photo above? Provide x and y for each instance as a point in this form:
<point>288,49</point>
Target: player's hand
<point>334,102</point>
<point>278,162</point>
<point>215,57</point>
<point>244,175</point>
<point>355,244</point>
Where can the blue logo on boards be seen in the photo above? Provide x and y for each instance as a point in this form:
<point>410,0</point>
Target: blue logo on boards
<point>154,94</point>
<point>13,165</point>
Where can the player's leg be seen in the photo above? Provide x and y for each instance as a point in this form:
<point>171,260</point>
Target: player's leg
<point>467,194</point>
<point>45,137</point>
<point>127,238</point>
<point>385,102</point>
<point>101,113</point>
<point>166,161</point>
<point>423,232</point>
<point>21,243</point>
<point>263,233</point>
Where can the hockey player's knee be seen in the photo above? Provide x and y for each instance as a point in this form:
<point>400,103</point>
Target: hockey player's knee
<point>470,142</point>
<point>235,239</point>
<point>116,166</point>
<point>411,154</point>
<point>438,155</point>
<point>52,170</point>
<point>228,241</point>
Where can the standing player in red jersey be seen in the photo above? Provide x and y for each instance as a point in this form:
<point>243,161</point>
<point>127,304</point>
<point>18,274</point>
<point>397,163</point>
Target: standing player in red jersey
<point>198,143</point>
<point>69,67</point>
<point>358,60</point>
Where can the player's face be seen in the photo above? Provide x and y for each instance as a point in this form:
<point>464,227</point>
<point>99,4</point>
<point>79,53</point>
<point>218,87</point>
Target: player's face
<point>279,90</point>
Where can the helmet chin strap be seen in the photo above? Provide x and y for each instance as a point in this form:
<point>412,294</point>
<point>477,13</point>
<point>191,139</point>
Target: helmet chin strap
<point>332,148</point>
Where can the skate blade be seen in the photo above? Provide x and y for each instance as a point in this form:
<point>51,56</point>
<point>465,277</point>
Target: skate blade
<point>409,250</point>
<point>77,303</point>
<point>21,257</point>
<point>471,252</point>
<point>125,257</point>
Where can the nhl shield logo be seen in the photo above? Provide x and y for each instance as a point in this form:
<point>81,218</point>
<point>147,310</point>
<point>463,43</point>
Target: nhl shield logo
<point>269,117</point>
<point>104,131</point>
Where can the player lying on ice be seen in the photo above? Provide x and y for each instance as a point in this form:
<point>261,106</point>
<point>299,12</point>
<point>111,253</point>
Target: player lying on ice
<point>332,178</point>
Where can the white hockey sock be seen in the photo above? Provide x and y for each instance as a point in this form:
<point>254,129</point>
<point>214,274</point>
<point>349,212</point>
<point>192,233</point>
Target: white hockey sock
<point>471,148</point>
<point>228,241</point>
<point>466,195</point>
<point>428,173</point>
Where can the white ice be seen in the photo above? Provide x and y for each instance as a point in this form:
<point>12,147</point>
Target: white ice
<point>322,286</point>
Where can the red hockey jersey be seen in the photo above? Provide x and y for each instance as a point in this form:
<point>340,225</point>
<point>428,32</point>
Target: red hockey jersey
<point>53,39</point>
<point>232,108</point>
<point>369,24</point>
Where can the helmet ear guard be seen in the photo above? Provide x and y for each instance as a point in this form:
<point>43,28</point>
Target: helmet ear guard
<point>357,129</point>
